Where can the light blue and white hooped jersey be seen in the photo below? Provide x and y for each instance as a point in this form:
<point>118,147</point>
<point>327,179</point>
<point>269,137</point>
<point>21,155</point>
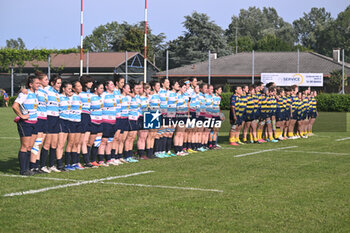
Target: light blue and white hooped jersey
<point>96,109</point>
<point>76,108</point>
<point>154,102</point>
<point>144,104</point>
<point>116,92</point>
<point>30,103</point>
<point>109,111</point>
<point>216,105</point>
<point>163,95</point>
<point>64,107</point>
<point>118,101</point>
<point>202,103</point>
<point>53,102</point>
<point>182,104</point>
<point>41,95</point>
<point>85,97</point>
<point>194,103</point>
<point>172,102</point>
<point>134,108</point>
<point>190,92</point>
<point>124,106</point>
<point>208,104</point>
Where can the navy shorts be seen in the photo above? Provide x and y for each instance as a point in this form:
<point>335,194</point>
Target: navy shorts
<point>26,129</point>
<point>262,116</point>
<point>193,115</point>
<point>216,119</point>
<point>201,118</point>
<point>122,124</point>
<point>133,125</point>
<point>108,130</point>
<point>63,126</point>
<point>294,115</point>
<point>85,123</point>
<point>313,115</point>
<point>74,127</point>
<point>96,128</point>
<point>249,117</point>
<point>280,116</point>
<point>41,126</point>
<point>140,122</point>
<point>53,124</point>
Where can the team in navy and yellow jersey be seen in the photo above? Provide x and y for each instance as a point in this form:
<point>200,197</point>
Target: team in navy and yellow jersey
<point>271,113</point>
<point>102,120</point>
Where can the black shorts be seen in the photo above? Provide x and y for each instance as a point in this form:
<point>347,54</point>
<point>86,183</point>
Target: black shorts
<point>53,124</point>
<point>140,122</point>
<point>41,126</point>
<point>133,125</point>
<point>26,129</point>
<point>108,130</point>
<point>85,123</point>
<point>96,128</point>
<point>249,117</point>
<point>74,127</point>
<point>122,124</point>
<point>63,126</point>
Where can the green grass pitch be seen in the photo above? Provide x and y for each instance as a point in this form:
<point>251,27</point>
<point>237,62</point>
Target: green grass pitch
<point>302,188</point>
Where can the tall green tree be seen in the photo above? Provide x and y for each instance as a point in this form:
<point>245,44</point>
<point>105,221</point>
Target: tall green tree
<point>15,44</point>
<point>123,37</point>
<point>272,43</point>
<point>256,23</point>
<point>310,27</point>
<point>201,35</point>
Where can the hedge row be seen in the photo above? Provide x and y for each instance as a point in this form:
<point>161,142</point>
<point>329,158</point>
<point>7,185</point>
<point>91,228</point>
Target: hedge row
<point>325,102</point>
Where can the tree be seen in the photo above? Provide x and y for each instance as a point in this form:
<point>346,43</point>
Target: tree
<point>244,44</point>
<point>201,35</point>
<point>133,40</point>
<point>104,37</point>
<point>310,27</point>
<point>123,37</point>
<point>336,81</point>
<point>336,35</point>
<point>15,44</point>
<point>272,43</point>
<point>256,24</point>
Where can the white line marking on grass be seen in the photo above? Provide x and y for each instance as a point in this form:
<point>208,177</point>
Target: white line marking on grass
<point>314,152</point>
<point>262,151</point>
<point>40,178</point>
<point>74,184</point>
<point>166,187</point>
<point>13,138</point>
<point>342,139</point>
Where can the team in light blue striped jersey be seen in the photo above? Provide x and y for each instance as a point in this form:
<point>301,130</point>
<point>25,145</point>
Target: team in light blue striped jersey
<point>101,121</point>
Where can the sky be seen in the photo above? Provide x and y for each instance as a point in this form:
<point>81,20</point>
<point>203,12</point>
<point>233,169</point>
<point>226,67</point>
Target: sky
<point>55,24</point>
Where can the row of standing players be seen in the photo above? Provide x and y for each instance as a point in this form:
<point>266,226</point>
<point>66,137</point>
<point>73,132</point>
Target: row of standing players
<point>101,121</point>
<point>271,113</point>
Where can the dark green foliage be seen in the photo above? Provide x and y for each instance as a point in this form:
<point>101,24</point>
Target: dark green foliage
<point>333,103</point>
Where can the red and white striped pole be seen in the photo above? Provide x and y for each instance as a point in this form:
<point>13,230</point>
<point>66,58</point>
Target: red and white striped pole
<point>145,59</point>
<point>81,39</point>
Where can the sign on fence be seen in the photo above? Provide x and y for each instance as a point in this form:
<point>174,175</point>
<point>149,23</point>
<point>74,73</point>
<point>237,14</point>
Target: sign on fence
<point>289,79</point>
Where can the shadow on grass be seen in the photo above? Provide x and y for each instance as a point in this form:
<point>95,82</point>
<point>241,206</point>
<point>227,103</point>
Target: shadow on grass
<point>10,166</point>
